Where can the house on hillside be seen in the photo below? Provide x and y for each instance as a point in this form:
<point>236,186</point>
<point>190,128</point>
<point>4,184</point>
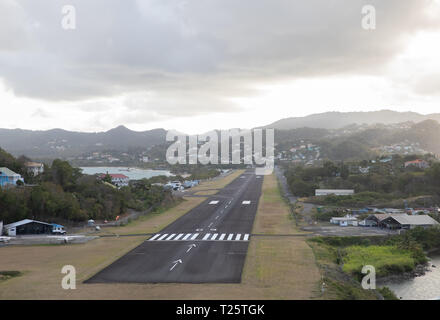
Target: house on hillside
<point>35,168</point>
<point>9,178</point>
<point>119,180</point>
<point>421,164</point>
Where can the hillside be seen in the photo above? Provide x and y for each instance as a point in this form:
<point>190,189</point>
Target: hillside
<point>62,143</point>
<point>336,120</point>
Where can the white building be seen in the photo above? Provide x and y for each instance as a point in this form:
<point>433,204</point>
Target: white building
<point>119,180</point>
<point>344,221</point>
<point>35,168</point>
<point>336,192</point>
<point>9,177</point>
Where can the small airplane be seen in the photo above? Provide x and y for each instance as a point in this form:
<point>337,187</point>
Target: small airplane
<point>5,239</point>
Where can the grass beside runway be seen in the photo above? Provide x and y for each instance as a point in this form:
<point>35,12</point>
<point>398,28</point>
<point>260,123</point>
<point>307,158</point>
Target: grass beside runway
<point>218,183</point>
<point>284,266</point>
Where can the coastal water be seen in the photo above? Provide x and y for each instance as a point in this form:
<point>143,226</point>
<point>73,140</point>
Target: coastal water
<point>425,287</point>
<point>131,173</point>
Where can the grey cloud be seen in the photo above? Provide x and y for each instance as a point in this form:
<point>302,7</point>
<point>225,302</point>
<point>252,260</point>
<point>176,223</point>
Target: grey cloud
<point>198,52</point>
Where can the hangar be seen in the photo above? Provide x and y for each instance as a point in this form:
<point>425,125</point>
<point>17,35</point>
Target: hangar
<point>28,226</point>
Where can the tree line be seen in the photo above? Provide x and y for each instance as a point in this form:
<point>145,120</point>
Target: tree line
<point>63,193</point>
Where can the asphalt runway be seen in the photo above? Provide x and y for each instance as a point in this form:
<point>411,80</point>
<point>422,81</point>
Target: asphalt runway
<point>206,245</point>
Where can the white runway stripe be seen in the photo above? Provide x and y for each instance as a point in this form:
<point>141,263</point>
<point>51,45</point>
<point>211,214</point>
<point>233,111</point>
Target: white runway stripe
<point>206,237</point>
<point>164,236</point>
<point>170,237</point>
<point>178,236</point>
<point>187,236</point>
<point>154,237</point>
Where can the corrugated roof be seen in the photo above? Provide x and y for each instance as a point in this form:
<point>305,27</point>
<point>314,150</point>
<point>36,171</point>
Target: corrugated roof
<point>8,172</point>
<point>22,222</point>
<point>414,220</point>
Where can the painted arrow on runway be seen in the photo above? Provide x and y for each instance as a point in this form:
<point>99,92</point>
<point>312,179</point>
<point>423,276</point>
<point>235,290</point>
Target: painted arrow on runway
<point>175,264</point>
<point>190,247</point>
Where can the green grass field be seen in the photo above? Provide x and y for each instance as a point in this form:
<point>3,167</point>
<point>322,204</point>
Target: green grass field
<point>386,259</point>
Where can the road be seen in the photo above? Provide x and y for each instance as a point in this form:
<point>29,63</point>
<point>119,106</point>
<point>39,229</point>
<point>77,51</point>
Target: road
<point>206,245</point>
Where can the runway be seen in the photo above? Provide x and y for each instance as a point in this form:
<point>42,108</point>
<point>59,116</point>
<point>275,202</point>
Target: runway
<point>206,245</point>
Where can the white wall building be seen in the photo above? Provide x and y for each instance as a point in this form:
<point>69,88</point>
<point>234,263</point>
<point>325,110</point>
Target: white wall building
<point>35,168</point>
<point>344,221</point>
<point>336,192</point>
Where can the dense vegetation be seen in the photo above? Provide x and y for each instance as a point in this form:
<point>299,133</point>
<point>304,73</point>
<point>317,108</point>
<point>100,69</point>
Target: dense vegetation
<point>63,193</point>
<point>383,182</point>
<point>389,255</point>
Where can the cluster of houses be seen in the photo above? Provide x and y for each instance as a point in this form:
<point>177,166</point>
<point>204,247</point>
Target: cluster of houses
<point>177,185</point>
<point>390,218</point>
<point>301,152</point>
<point>9,178</point>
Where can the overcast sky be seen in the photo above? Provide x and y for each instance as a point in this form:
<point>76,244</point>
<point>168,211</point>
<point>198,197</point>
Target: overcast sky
<point>195,65</point>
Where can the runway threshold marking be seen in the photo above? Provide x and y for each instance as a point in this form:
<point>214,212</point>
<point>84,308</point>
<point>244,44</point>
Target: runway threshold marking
<point>187,236</point>
<point>194,236</point>
<point>215,236</point>
<point>170,237</point>
<point>164,236</point>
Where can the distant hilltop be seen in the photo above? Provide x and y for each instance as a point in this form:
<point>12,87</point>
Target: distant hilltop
<point>337,120</point>
<point>62,143</point>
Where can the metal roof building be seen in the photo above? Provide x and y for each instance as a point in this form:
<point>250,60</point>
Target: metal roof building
<point>404,221</point>
<point>336,192</point>
<point>28,226</point>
